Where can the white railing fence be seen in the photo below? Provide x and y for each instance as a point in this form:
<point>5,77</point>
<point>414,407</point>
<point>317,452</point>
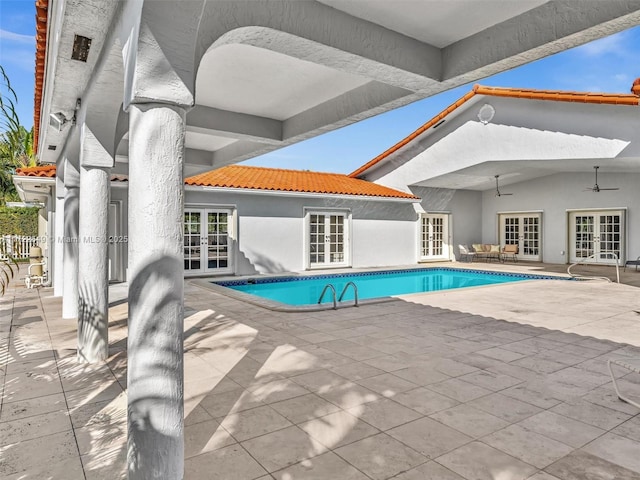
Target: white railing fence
<point>16,246</point>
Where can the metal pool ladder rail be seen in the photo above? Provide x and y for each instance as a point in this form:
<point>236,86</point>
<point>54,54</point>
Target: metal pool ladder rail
<point>599,254</point>
<point>355,292</point>
<point>328,286</point>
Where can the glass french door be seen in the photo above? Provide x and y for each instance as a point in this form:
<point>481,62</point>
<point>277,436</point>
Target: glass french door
<point>434,236</point>
<point>596,235</point>
<point>207,241</point>
<point>328,239</point>
<point>523,230</point>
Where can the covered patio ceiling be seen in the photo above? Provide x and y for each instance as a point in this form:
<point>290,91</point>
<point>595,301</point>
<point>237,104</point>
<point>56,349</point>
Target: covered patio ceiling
<point>276,73</point>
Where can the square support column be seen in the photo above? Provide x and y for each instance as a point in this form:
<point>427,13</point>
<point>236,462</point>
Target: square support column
<point>156,292</point>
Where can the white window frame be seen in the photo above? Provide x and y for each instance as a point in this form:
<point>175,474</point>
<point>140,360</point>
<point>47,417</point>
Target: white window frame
<point>446,248</point>
<point>571,239</point>
<point>308,211</point>
<point>204,210</point>
<point>522,214</point>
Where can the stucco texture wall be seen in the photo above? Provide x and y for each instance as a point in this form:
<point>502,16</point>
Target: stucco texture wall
<point>270,235</point>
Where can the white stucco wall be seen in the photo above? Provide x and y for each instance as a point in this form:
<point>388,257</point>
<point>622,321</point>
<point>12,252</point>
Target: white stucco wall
<point>554,195</point>
<point>271,230</point>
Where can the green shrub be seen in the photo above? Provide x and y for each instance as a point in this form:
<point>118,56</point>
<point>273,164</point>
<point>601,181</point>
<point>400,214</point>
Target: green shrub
<point>19,221</point>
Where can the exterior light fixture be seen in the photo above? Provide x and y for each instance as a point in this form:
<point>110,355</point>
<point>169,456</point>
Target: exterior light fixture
<point>58,120</point>
<point>486,113</point>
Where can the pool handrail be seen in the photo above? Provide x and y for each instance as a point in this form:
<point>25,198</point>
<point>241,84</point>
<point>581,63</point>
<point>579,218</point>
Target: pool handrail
<point>355,292</point>
<point>599,254</point>
<point>333,290</point>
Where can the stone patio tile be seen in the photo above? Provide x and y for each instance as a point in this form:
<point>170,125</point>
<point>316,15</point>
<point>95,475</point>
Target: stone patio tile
<point>20,365</point>
<point>388,363</point>
<point>477,461</point>
<point>47,450</point>
<point>580,465</point>
<point>277,450</point>
<point>384,414</point>
<point>629,429</point>
<point>532,393</point>
<point>277,391</point>
<point>323,467</point>
<point>425,401</point>
<point>77,398</point>
<point>32,406</point>
<point>528,446</point>
<point>319,380</point>
<point>254,422</point>
<point>317,337</point>
<point>204,437</point>
<point>470,421</point>
<point>223,464</point>
<point>233,401</point>
<point>491,381</point>
<point>616,449</point>
<point>336,430</point>
<point>352,350</point>
<point>356,371</point>
<point>421,376</point>
<point>19,430</point>
<point>563,429</point>
<point>348,395</point>
<point>459,390</point>
<point>587,412</point>
<point>68,469</point>
<point>504,407</point>
<point>387,384</point>
<point>542,476</point>
<point>429,471</point>
<point>429,437</point>
<point>501,354</point>
<point>194,414</point>
<point>539,364</point>
<point>27,385</point>
<point>303,408</point>
<point>380,457</point>
<point>606,396</point>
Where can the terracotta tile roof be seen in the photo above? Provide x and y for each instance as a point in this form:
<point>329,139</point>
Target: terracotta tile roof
<point>48,171</point>
<point>41,48</point>
<point>259,178</point>
<point>529,94</point>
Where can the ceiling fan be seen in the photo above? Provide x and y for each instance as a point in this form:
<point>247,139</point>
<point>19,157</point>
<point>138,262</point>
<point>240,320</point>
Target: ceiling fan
<point>498,193</point>
<point>597,188</point>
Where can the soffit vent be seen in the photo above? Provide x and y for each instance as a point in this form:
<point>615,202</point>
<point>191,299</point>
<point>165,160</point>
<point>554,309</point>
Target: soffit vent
<point>52,147</point>
<point>81,47</point>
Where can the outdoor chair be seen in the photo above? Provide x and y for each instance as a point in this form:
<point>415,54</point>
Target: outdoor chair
<point>631,364</point>
<point>510,252</point>
<point>37,274</point>
<point>465,253</point>
<point>635,262</point>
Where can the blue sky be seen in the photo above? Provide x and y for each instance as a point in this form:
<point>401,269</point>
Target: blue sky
<point>606,65</point>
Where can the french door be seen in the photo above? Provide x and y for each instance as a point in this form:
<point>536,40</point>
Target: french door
<point>525,231</point>
<point>328,238</point>
<point>596,235</point>
<point>434,237</point>
<point>207,241</point>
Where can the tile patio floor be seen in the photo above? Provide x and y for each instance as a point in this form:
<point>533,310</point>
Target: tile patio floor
<point>504,382</point>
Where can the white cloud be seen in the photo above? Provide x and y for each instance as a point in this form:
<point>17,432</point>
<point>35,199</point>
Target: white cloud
<point>8,36</point>
<point>617,44</point>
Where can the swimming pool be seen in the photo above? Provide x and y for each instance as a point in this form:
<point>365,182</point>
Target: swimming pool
<point>306,290</point>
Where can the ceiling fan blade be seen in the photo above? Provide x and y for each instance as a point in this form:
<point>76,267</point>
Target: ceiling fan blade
<point>506,194</point>
<point>617,188</point>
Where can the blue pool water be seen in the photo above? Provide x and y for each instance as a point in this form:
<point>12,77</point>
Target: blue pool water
<point>307,290</point>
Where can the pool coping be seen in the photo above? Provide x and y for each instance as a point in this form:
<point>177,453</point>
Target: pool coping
<point>214,285</point>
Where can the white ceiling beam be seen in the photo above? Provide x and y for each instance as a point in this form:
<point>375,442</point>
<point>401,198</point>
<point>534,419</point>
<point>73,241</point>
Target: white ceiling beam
<point>224,123</point>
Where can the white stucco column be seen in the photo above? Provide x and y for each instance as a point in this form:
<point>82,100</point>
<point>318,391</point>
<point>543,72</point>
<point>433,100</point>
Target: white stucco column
<point>70,241</point>
<point>93,276</point>
<point>58,241</point>
<point>156,287</point>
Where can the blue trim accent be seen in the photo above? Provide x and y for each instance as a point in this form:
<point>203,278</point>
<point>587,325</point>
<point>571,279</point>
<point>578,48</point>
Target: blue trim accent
<point>257,280</point>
